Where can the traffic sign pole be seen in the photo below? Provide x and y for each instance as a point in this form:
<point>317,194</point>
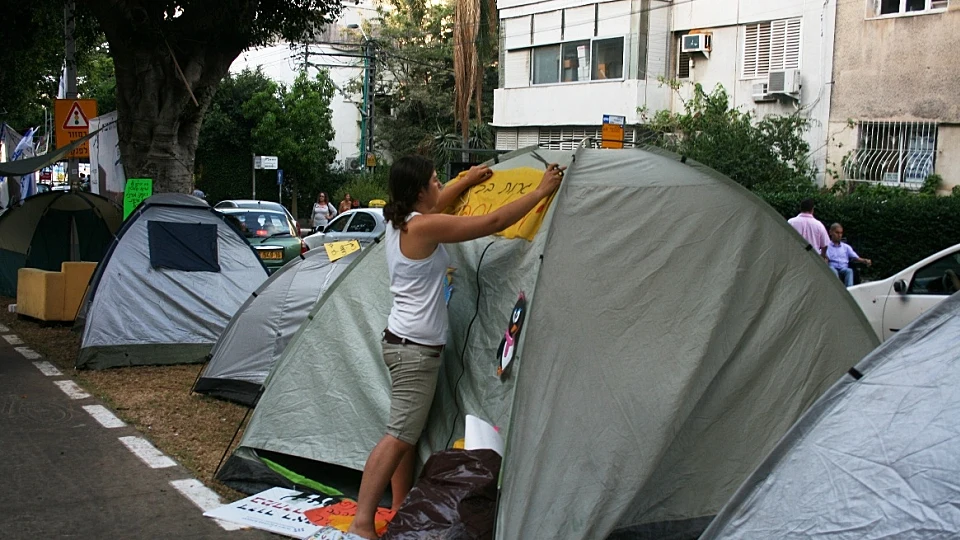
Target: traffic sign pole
<point>254,169</point>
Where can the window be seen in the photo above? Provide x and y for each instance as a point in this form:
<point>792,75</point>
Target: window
<point>575,61</point>
<point>570,137</point>
<point>893,152</point>
<point>683,59</point>
<point>362,222</point>
<point>935,278</point>
<point>338,224</point>
<point>189,247</point>
<point>901,7</point>
<point>546,64</point>
<point>608,59</point>
<point>770,46</point>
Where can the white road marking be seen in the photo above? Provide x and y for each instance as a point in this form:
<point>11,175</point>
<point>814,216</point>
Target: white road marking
<point>48,369</point>
<point>205,499</point>
<point>13,339</point>
<point>28,353</point>
<point>154,458</point>
<point>71,389</point>
<point>104,416</point>
<point>4,329</point>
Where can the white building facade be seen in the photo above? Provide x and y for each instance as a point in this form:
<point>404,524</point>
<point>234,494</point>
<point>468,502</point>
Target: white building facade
<point>567,63</point>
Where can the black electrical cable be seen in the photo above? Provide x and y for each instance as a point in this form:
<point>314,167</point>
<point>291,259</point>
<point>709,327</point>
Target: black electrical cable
<point>463,351</point>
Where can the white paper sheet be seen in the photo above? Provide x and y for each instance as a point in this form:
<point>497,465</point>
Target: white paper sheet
<point>479,435</point>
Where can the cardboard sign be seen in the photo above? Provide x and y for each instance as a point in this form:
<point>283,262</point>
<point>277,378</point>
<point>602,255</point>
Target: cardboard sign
<point>339,250</point>
<point>505,186</point>
<point>72,120</point>
<point>277,510</point>
<point>136,191</point>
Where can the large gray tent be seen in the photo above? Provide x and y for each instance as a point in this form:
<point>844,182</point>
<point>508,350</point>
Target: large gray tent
<point>172,279</point>
<point>677,328</point>
<point>260,330</point>
<point>878,456</point>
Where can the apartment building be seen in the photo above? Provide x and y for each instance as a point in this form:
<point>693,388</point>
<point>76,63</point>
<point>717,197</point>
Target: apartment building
<point>567,63</point>
<point>895,117</point>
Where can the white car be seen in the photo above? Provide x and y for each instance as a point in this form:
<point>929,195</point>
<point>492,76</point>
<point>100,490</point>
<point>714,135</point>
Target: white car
<point>363,224</point>
<point>894,302</point>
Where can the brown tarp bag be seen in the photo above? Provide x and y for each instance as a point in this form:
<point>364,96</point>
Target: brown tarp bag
<point>455,498</point>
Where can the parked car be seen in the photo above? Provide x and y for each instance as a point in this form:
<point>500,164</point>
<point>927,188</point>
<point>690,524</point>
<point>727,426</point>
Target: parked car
<point>250,203</point>
<point>364,224</point>
<point>272,233</point>
<point>894,302</point>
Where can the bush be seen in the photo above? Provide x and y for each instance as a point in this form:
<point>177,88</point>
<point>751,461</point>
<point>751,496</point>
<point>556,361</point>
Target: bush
<point>892,227</point>
<point>364,186</point>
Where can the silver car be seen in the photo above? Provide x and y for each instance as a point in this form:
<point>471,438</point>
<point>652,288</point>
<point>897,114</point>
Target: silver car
<point>363,224</point>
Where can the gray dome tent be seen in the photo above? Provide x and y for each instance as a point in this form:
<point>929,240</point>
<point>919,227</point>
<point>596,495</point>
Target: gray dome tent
<point>173,278</point>
<point>677,327</point>
<point>875,457</point>
<point>260,330</point>
<point>51,228</point>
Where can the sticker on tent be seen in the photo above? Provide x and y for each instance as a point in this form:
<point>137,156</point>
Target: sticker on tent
<point>340,515</point>
<point>339,250</point>
<point>503,187</point>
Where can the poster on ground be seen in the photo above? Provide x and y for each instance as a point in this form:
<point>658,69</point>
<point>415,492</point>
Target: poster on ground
<point>276,510</point>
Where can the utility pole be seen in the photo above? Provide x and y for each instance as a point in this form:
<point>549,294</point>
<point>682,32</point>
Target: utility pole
<point>69,26</point>
<point>370,59</point>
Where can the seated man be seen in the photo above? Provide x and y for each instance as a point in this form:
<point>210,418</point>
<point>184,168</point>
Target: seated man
<point>840,255</point>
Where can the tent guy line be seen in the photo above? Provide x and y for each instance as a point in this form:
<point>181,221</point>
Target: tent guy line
<point>201,496</point>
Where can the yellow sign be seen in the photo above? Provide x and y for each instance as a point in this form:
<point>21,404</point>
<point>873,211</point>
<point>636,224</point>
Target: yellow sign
<point>371,160</point>
<point>612,135</point>
<point>339,250</point>
<point>503,187</point>
<point>72,119</point>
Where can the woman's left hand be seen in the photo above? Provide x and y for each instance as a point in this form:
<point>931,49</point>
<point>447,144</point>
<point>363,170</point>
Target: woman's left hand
<point>478,174</point>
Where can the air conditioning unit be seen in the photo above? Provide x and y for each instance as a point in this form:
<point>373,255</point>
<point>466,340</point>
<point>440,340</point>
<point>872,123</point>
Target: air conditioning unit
<point>760,93</point>
<point>354,164</point>
<point>785,81</point>
<point>693,43</point>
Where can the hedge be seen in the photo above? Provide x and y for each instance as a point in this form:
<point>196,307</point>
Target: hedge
<point>893,230</point>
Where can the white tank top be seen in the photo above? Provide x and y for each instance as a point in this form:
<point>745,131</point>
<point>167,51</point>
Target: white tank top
<point>419,312</point>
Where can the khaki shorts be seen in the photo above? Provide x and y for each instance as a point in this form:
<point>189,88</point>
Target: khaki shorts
<point>413,374</point>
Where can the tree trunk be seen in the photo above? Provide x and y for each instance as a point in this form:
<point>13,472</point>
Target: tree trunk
<point>158,120</point>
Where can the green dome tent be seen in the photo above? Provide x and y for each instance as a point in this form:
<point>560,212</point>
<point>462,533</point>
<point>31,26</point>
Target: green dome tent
<point>676,328</point>
<point>54,227</point>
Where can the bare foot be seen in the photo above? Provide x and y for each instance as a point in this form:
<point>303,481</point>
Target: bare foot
<point>362,531</point>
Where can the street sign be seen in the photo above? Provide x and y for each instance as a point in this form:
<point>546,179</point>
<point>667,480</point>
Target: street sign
<point>72,120</point>
<point>612,131</point>
<point>279,177</point>
<point>265,162</point>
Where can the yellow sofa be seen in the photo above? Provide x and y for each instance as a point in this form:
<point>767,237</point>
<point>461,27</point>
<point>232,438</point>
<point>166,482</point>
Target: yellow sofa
<point>53,296</point>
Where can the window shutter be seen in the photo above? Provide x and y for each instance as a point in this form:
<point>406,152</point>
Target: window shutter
<point>546,27</point>
<point>578,23</point>
<point>507,139</point>
<point>516,32</point>
<point>791,55</point>
<point>770,46</point>
<point>516,69</point>
<point>528,137</point>
<point>750,46</point>
<point>763,48</point>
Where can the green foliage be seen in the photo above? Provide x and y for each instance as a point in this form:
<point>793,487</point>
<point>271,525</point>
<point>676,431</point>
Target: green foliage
<point>931,184</point>
<point>415,83</point>
<point>96,78</point>
<point>364,187</point>
<point>893,227</point>
<point>763,154</point>
<point>224,149</point>
<point>296,125</point>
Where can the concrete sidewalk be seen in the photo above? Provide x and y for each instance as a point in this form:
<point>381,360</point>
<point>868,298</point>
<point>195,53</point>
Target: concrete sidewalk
<point>70,469</point>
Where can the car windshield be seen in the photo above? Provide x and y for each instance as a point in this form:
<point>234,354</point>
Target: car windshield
<point>261,223</point>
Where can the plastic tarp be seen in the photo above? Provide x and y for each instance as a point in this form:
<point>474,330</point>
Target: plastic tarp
<point>676,329</point>
<point>21,167</point>
<point>875,457</point>
<point>261,329</point>
<point>138,314</point>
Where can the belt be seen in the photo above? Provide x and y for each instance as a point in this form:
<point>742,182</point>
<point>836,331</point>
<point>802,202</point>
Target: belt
<point>394,339</point>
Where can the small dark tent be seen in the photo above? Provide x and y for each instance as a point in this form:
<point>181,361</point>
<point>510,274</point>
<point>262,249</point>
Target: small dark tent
<point>54,227</point>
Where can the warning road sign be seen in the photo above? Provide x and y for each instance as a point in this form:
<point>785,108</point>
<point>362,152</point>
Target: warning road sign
<point>72,117</point>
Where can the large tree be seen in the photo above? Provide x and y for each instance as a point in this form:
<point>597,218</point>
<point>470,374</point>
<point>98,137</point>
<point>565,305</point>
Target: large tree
<point>170,56</point>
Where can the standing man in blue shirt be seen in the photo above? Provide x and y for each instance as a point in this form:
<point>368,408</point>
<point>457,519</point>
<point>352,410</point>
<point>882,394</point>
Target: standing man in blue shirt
<point>840,255</point>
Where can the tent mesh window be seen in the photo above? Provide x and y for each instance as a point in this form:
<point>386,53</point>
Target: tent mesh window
<point>190,247</point>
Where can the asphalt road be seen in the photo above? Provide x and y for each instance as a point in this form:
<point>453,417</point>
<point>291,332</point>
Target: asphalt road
<point>66,474</point>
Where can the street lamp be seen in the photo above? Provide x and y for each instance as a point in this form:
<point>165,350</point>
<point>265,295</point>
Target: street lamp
<point>366,118</point>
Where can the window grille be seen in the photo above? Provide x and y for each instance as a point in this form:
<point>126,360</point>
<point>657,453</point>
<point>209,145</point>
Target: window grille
<point>771,46</point>
<point>893,153</point>
<point>683,58</point>
<point>904,7</point>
